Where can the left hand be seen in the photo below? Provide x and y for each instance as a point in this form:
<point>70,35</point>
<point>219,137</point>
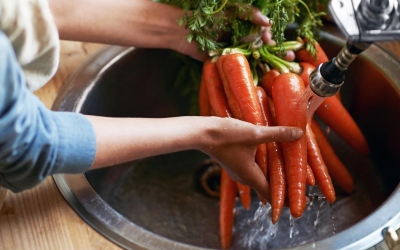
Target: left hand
<point>191,49</point>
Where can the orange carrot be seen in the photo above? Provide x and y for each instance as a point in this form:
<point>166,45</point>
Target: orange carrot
<point>303,55</point>
<point>236,77</point>
<point>219,105</point>
<point>306,70</point>
<point>318,166</point>
<point>276,171</point>
<point>263,101</point>
<point>237,80</point>
<point>287,90</point>
<point>215,89</point>
<point>226,210</point>
<point>337,170</point>
<point>204,105</point>
<point>335,115</point>
<point>310,176</point>
<point>268,79</point>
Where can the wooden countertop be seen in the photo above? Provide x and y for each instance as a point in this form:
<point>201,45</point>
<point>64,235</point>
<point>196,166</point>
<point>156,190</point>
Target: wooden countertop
<point>40,218</point>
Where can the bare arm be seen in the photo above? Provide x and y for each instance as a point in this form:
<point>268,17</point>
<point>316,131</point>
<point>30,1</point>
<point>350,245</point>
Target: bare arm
<point>139,23</point>
<point>232,143</point>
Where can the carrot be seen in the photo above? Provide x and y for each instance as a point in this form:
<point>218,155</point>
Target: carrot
<point>226,210</point>
<point>276,171</point>
<point>337,170</point>
<point>237,79</point>
<point>306,70</point>
<point>219,105</point>
<point>263,101</point>
<point>215,89</point>
<point>303,55</point>
<point>287,90</point>
<point>268,79</point>
<point>310,180</point>
<point>335,115</point>
<point>204,105</point>
<point>318,166</point>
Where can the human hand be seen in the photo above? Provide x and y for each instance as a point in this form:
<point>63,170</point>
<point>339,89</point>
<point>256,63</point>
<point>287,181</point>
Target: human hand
<point>191,49</point>
<point>233,143</point>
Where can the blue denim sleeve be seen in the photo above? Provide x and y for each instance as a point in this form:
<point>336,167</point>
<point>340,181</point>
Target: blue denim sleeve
<point>36,142</point>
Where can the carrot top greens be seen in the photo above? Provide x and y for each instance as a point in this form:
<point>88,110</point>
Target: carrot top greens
<point>206,19</point>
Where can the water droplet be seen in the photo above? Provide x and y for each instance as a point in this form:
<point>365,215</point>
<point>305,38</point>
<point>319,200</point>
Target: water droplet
<point>333,220</point>
<point>291,223</point>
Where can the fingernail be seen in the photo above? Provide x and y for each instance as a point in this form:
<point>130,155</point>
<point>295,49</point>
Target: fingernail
<point>267,21</point>
<point>297,133</point>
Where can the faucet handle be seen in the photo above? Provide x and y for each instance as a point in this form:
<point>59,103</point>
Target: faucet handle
<point>367,20</point>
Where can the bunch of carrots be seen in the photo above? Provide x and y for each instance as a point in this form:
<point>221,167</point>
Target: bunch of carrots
<point>230,87</point>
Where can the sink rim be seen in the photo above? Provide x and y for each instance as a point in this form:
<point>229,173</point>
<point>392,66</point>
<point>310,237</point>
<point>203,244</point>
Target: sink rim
<point>104,219</point>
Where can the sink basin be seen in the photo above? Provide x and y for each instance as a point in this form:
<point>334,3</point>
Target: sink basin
<point>154,203</point>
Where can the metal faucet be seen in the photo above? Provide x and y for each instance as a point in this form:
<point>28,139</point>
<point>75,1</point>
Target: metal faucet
<point>362,22</point>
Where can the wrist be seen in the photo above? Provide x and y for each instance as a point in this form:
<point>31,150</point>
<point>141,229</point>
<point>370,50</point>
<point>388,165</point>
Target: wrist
<point>210,133</point>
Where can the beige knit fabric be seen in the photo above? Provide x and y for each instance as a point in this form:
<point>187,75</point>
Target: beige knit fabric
<point>31,29</point>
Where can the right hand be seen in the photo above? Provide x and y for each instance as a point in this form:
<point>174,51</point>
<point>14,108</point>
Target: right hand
<point>233,143</point>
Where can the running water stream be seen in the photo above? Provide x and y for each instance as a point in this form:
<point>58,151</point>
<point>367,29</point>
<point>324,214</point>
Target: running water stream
<point>317,221</point>
<point>258,232</point>
<point>313,101</point>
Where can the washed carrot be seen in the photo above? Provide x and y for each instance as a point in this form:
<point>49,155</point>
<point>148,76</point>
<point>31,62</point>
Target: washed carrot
<point>303,55</point>
<point>266,121</point>
<point>306,70</point>
<point>215,89</point>
<point>237,77</point>
<point>204,104</point>
<point>287,90</point>
<point>226,210</point>
<point>219,105</point>
<point>310,180</point>
<point>337,170</point>
<point>267,80</point>
<point>276,171</point>
<point>318,166</point>
<point>335,115</point>
<point>237,80</point>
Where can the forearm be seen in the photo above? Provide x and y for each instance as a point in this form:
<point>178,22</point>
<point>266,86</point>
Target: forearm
<point>125,139</point>
<point>139,23</point>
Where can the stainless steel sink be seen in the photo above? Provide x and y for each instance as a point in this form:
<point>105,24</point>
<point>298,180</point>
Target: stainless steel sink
<point>154,203</point>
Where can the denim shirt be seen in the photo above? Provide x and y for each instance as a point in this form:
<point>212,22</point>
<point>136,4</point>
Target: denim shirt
<point>36,142</point>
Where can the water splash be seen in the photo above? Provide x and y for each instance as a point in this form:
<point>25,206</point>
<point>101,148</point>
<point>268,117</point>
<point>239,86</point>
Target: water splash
<point>256,231</point>
<point>291,224</point>
<point>313,101</point>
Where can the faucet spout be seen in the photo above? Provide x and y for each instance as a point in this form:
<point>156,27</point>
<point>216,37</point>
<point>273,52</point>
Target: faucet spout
<point>327,79</point>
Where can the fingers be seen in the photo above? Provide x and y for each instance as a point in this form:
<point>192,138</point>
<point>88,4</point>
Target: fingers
<point>290,56</point>
<point>260,19</point>
<point>282,133</point>
<point>255,179</point>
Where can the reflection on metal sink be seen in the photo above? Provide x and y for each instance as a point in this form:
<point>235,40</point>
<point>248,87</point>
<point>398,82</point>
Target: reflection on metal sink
<point>153,203</point>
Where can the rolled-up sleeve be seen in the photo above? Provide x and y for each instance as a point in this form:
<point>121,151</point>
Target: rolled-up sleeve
<point>36,142</point>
